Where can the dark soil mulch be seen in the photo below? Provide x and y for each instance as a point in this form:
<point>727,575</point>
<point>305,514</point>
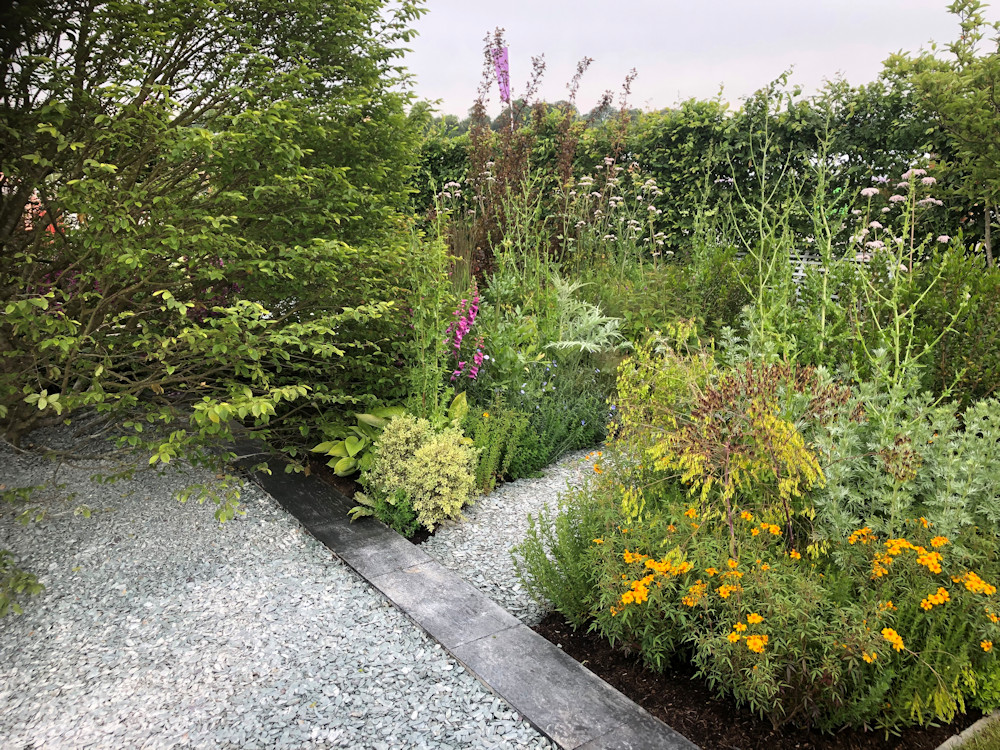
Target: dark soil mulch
<point>715,723</point>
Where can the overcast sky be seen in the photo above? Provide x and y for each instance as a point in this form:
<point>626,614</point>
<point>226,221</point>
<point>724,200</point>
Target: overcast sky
<point>680,49</point>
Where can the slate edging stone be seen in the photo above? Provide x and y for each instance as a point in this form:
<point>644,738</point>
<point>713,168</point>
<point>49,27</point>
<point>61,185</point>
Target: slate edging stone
<point>552,691</point>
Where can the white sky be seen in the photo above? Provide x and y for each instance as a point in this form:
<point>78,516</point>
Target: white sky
<point>680,48</point>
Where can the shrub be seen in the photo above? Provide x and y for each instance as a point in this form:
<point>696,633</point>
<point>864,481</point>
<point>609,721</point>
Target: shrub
<point>441,479</point>
<point>860,592</point>
<point>431,473</point>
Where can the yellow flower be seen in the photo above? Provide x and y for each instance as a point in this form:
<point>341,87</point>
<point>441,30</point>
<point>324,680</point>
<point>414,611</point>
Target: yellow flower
<point>711,572</point>
<point>795,555</point>
<point>924,522</point>
<point>887,606</point>
<point>486,415</point>
<point>987,645</point>
<point>930,560</point>
<point>776,530</point>
<point>739,627</point>
<point>975,584</point>
<point>691,513</point>
<point>754,531</point>
<point>756,643</point>
<point>755,619</point>
<point>940,597</point>
<point>732,564</point>
<point>893,637</point>
<point>597,469</point>
<point>939,541</point>
<point>695,594</point>
<point>765,567</point>
<point>746,515</point>
<point>869,657</point>
<point>597,541</point>
<point>733,637</point>
<point>671,528</point>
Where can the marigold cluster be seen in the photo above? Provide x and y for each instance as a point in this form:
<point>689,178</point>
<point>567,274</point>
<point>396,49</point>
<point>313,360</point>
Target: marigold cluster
<point>666,568</point>
<point>987,646</point>
<point>639,591</point>
<point>754,619</point>
<point>893,637</point>
<point>691,513</point>
<point>940,597</point>
<point>633,557</point>
<point>695,593</point>
<point>863,536</point>
<point>725,591</point>
<point>756,643</point>
<point>870,658</point>
<point>930,560</point>
<point>939,541</point>
<point>795,555</point>
<point>975,584</point>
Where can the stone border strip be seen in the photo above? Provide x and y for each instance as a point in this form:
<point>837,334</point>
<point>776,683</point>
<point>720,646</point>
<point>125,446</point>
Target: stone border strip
<point>959,740</point>
<point>560,698</point>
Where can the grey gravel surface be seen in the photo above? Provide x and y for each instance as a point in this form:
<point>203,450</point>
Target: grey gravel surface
<point>478,548</point>
<point>158,628</point>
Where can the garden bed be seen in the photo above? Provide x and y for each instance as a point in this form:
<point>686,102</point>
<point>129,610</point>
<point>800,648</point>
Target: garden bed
<point>714,723</point>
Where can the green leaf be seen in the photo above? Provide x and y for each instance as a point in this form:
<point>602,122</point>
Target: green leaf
<point>345,466</point>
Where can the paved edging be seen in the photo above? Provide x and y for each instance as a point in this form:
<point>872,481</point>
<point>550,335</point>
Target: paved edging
<point>559,697</point>
<point>956,742</point>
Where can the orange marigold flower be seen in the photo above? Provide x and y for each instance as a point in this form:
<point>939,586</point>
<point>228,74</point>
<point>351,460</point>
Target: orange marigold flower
<point>597,541</point>
<point>695,594</point>
<point>732,563</point>
<point>869,657</point>
<point>733,637</point>
<point>740,627</point>
<point>754,531</point>
<point>671,528</point>
<point>887,606</point>
<point>765,567</point>
<point>756,643</point>
<point>939,541</point>
<point>776,530</point>
<point>597,469</point>
<point>695,526</point>
<point>795,555</point>
<point>930,560</point>
<point>711,571</point>
<point>633,557</point>
<point>925,523</point>
<point>893,637</point>
<point>986,645</point>
<point>755,619</point>
<point>691,513</point>
<point>975,584</point>
<point>746,515</point>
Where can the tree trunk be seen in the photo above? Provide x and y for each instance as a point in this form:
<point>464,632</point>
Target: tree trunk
<point>989,246</point>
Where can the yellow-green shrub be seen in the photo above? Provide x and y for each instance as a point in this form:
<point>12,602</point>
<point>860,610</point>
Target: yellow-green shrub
<point>434,473</point>
<point>441,477</point>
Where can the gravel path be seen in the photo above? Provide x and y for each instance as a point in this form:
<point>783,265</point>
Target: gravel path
<point>158,628</point>
<point>478,548</point>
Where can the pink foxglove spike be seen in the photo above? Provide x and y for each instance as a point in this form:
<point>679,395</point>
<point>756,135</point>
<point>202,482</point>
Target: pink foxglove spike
<point>502,68</point>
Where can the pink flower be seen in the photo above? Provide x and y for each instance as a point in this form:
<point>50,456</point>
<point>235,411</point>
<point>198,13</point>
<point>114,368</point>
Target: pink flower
<point>869,192</point>
<point>897,198</point>
<point>875,225</point>
<point>927,181</point>
<point>943,238</point>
